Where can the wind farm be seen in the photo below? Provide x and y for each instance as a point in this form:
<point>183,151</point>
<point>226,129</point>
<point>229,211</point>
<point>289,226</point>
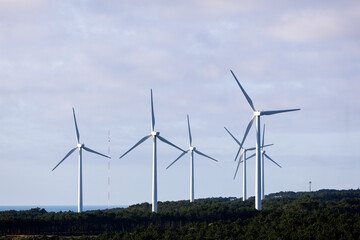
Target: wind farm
<point>260,149</point>
<point>259,179</point>
<point>121,65</point>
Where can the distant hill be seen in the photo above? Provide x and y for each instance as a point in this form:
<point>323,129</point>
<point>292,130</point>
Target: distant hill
<point>325,214</point>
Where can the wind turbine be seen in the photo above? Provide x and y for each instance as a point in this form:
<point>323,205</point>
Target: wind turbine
<point>256,117</point>
<point>191,149</point>
<point>263,155</point>
<point>79,146</point>
<point>155,135</point>
<point>243,158</point>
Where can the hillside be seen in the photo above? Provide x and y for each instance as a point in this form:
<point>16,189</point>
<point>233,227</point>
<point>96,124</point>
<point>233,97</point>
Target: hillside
<point>325,214</point>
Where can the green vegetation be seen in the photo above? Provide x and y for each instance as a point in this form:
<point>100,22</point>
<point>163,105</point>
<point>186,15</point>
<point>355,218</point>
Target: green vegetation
<point>326,214</point>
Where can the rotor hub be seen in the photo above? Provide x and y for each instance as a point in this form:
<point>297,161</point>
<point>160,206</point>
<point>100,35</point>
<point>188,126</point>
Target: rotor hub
<point>79,145</point>
<point>192,148</point>
<point>153,133</point>
<point>257,113</point>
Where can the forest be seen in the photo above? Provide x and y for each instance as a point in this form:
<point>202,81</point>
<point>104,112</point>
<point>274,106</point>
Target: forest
<point>324,214</point>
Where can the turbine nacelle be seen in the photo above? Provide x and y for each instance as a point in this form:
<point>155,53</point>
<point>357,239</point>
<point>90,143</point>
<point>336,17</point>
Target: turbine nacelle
<point>154,133</point>
<point>79,145</point>
<point>257,113</point>
<point>192,148</point>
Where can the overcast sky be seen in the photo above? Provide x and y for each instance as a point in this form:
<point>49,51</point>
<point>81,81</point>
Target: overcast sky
<point>103,57</point>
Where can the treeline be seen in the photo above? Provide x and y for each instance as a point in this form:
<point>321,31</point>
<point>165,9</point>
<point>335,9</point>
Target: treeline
<point>326,214</point>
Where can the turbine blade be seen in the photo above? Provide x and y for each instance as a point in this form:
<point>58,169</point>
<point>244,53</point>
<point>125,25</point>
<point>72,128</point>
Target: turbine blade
<point>268,145</point>
<point>232,136</point>
<point>237,154</point>
<point>198,152</point>
<point>137,144</point>
<point>250,156</point>
<point>251,149</point>
<point>247,131</point>
<point>237,168</point>
<point>190,139</point>
<point>152,113</point>
<point>92,151</point>
<point>167,142</point>
<point>277,111</point>
<point>272,160</point>
<point>245,94</point>
<point>263,138</point>
<point>76,127</point>
<point>69,153</point>
<point>178,158</point>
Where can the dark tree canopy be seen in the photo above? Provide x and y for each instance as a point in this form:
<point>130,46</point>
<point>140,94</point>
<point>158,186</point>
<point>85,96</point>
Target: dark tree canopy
<point>325,214</point>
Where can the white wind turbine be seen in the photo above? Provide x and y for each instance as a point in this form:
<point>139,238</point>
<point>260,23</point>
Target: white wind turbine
<point>263,154</point>
<point>243,159</point>
<point>191,149</point>
<point>256,117</point>
<point>155,135</point>
<point>80,147</point>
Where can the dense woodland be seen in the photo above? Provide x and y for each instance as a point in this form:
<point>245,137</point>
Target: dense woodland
<point>325,214</point>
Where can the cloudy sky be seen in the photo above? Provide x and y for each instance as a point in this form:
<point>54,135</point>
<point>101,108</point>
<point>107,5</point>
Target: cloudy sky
<point>103,57</point>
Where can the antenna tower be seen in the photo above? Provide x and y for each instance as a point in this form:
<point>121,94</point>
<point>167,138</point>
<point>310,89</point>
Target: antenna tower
<point>109,139</point>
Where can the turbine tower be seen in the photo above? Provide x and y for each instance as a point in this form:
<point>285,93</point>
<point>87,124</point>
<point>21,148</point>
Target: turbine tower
<point>155,135</point>
<point>263,155</point>
<point>243,158</point>
<point>191,149</point>
<point>80,147</point>
<point>256,117</point>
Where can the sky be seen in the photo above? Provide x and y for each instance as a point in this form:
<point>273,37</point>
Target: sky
<point>103,57</point>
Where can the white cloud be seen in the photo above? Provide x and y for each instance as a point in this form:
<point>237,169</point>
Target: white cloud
<point>316,25</point>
